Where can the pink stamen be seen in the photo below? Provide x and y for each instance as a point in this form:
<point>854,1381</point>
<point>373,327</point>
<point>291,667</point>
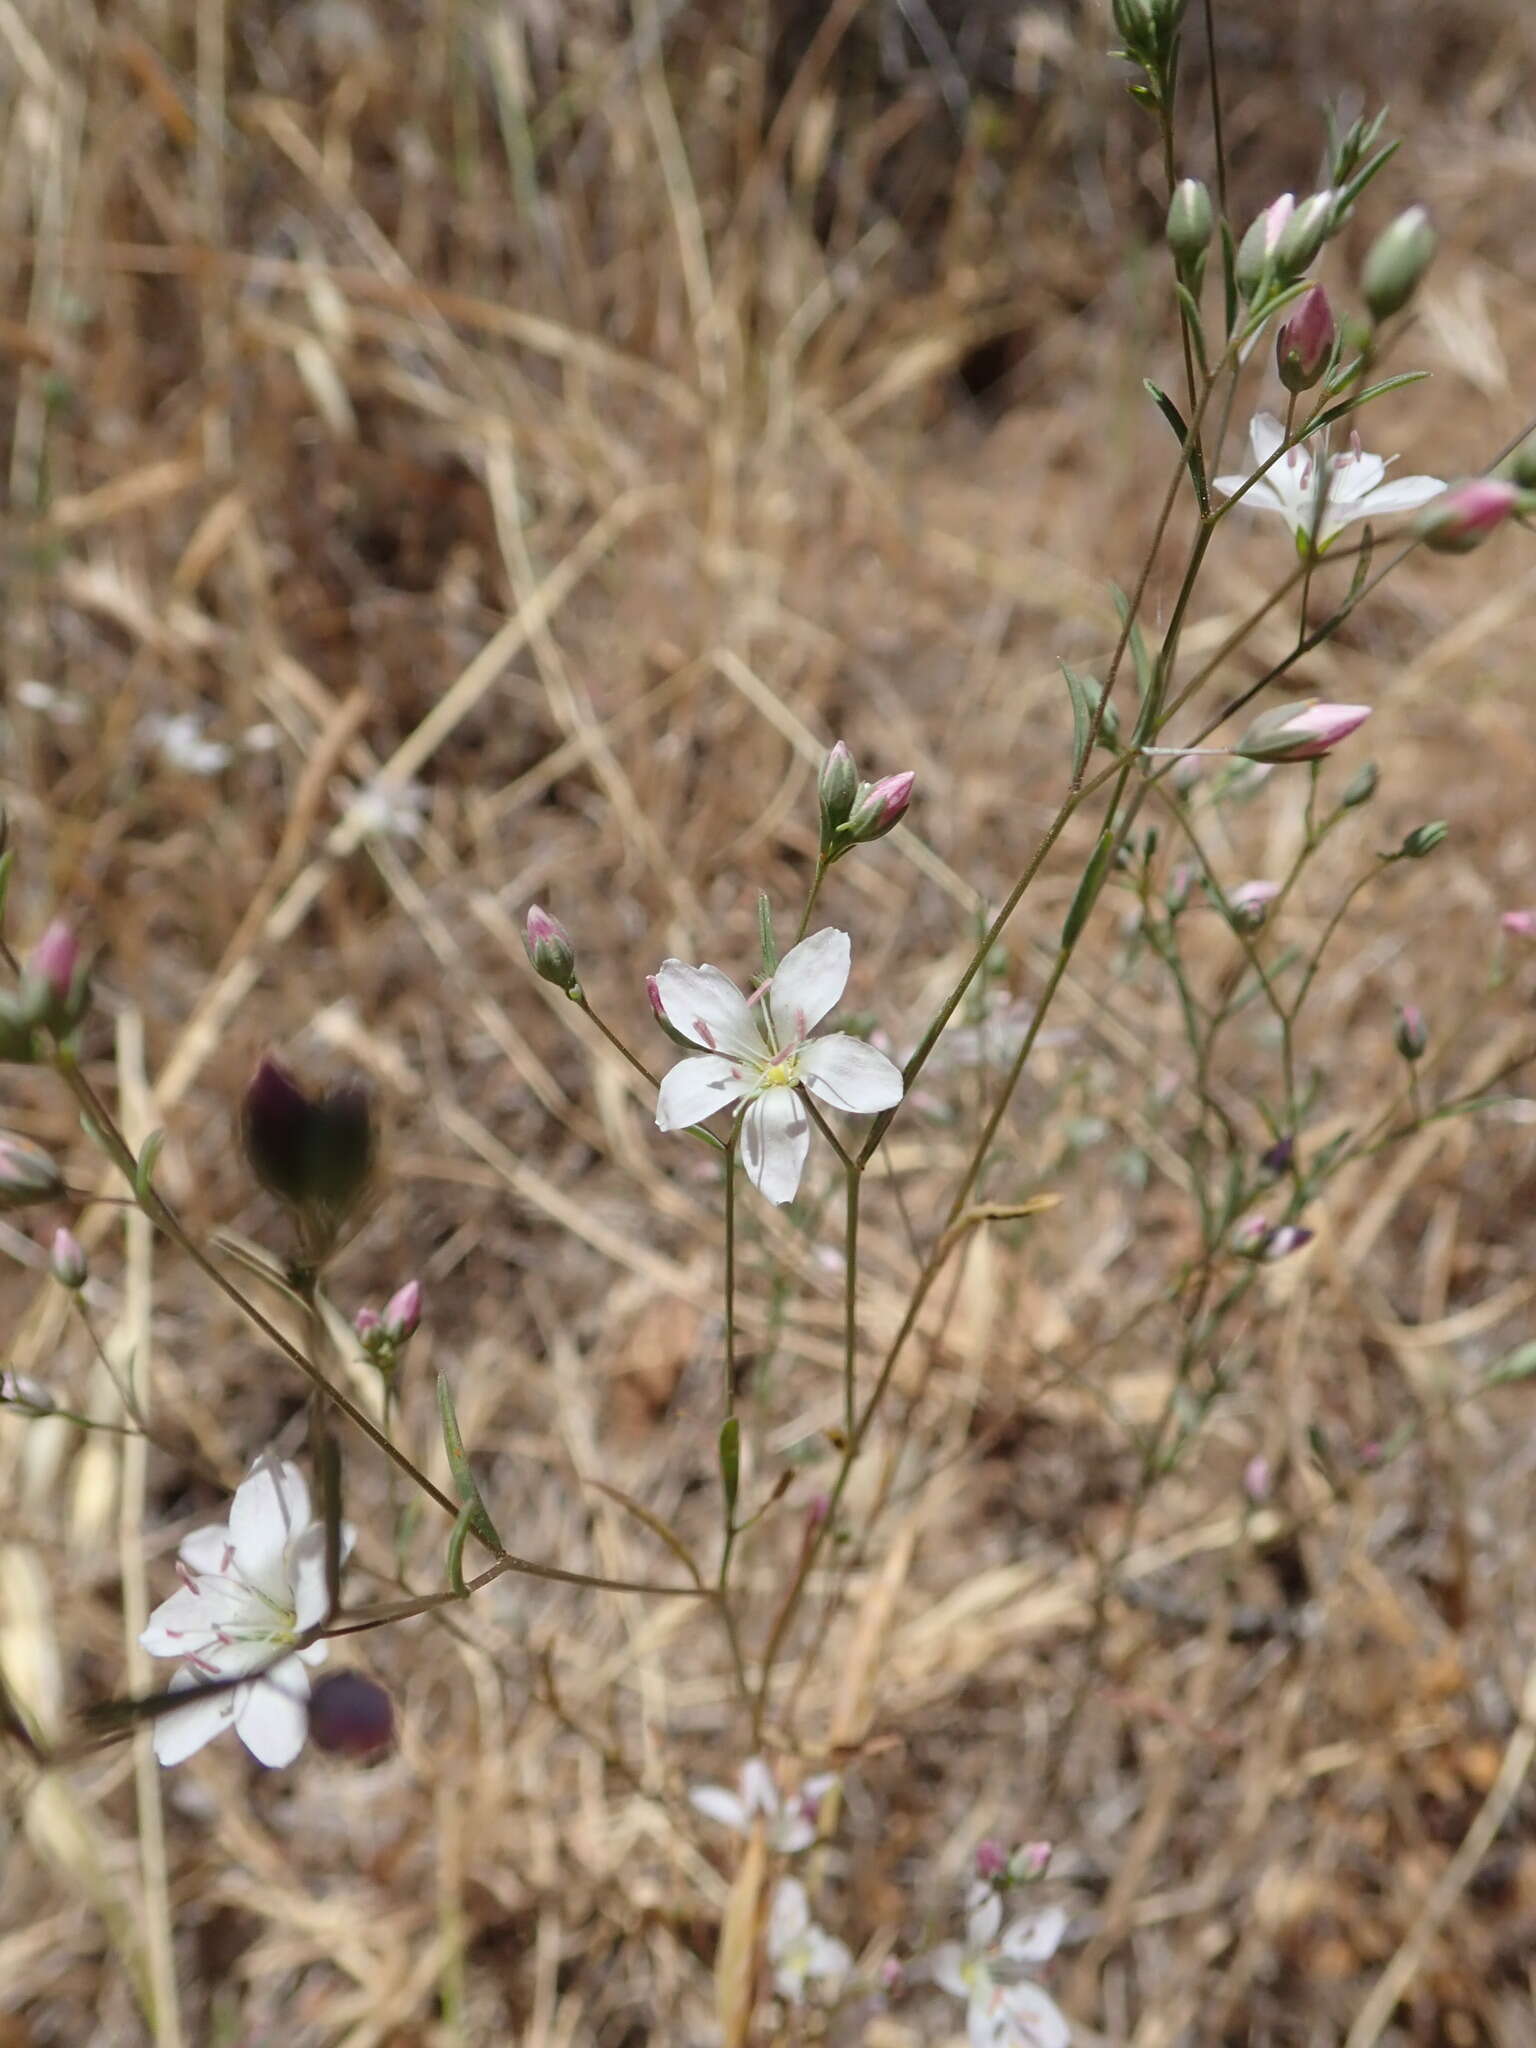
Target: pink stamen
<point>706,1036</point>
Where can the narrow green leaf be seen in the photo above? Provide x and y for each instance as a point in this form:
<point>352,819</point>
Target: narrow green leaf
<point>654,1523</point>
<point>730,1463</point>
<point>1088,888</point>
<point>1181,434</point>
<point>1082,719</point>
<point>1357,184</point>
<point>458,1464</point>
<point>456,1544</point>
<point>1190,307</point>
<point>1346,406</point>
<point>144,1170</point>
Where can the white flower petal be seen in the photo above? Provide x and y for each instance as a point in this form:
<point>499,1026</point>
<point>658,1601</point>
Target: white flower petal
<point>946,1966</point>
<point>272,1719</point>
<point>1036,1937</point>
<point>809,980</point>
<point>984,1918</point>
<point>759,1794</point>
<point>789,1916</point>
<point>1354,476</point>
<point>794,1833</point>
<point>182,1731</point>
<point>183,1625</point>
<point>708,1008</point>
<point>208,1550</point>
<point>1265,436</point>
<point>270,1508</point>
<point>850,1075</point>
<point>306,1575</point>
<point>1401,494</point>
<point>717,1804</point>
<point>695,1088</point>
<point>828,1957</point>
<point>981,2024</point>
<point>1031,2019</point>
<point>775,1137</point>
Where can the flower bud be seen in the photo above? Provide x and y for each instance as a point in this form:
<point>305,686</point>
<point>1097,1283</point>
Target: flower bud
<point>369,1325</point>
<point>54,989</point>
<point>1257,1480</point>
<point>991,1860</point>
<point>1279,1158</point>
<point>1361,789</point>
<point>550,950</point>
<point>653,996</point>
<point>1423,839</point>
<point>66,1261</point>
<point>1285,1239</point>
<point>19,1390</point>
<point>402,1313</point>
<point>1030,1861</point>
<point>1256,251</point>
<point>1303,235</point>
<point>314,1153</point>
<point>1462,518</point>
<point>877,807</point>
<point>1520,464</point>
<point>27,1174</point>
<point>1412,1034</point>
<point>1300,732</point>
<point>1396,264</point>
<point>1520,924</point>
<point>1248,905</point>
<point>351,1716</point>
<point>1250,1237</point>
<point>1189,221</point>
<point>1180,883</point>
<point>1305,342</point>
<point>836,788</point>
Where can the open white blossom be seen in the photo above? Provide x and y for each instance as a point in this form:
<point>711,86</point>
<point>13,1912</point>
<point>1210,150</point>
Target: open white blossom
<point>801,1952</point>
<point>761,1053</point>
<point>250,1587</point>
<point>1318,494</point>
<point>986,1970</point>
<point>791,1823</point>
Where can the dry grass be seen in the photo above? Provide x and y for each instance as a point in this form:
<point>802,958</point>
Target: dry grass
<point>462,396</point>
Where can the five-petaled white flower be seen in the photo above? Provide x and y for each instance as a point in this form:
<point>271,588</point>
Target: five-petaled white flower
<point>801,1952</point>
<point>249,1587</point>
<point>986,1970</point>
<point>791,1823</point>
<point>1318,494</point>
<point>761,1053</point>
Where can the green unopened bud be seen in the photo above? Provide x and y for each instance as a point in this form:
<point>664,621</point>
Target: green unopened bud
<point>27,1173</point>
<point>1398,259</point>
<point>1190,220</point>
<point>1303,235</point>
<point>1256,251</point>
<point>1361,789</point>
<point>66,1261</point>
<point>1423,839</point>
<point>836,788</point>
<point>1520,464</point>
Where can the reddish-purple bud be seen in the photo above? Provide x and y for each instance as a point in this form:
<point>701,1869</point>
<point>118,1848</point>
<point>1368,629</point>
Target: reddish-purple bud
<point>1251,1237</point>
<point>1520,924</point>
<point>1462,518</point>
<point>1287,1238</point>
<point>368,1323</point>
<point>1300,732</point>
<point>315,1153</point>
<point>1412,1034</point>
<point>550,950</point>
<point>1305,342</point>
<point>66,1261</point>
<point>402,1312</point>
<point>56,959</point>
<point>991,1860</point>
<point>351,1716</point>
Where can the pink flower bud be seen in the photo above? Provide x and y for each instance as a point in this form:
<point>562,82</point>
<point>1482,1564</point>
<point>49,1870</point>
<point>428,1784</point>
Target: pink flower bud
<point>877,807</point>
<point>402,1312</point>
<point>1250,1237</point>
<point>1288,1238</point>
<point>1248,904</point>
<point>1520,924</point>
<point>367,1324</point>
<point>1257,1480</point>
<point>1412,1034</point>
<point>991,1860</point>
<point>550,950</point>
<point>55,959</point>
<point>1305,342</point>
<point>1462,518</point>
<point>67,1261</point>
<point>1030,1861</point>
<point>1300,732</point>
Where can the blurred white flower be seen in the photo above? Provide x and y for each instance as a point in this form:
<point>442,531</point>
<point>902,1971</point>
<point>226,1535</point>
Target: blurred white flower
<point>791,1823</point>
<point>801,1952</point>
<point>986,1969</point>
<point>391,810</point>
<point>1318,494</point>
<point>761,1053</point>
<point>249,1588</point>
<point>180,742</point>
<point>60,705</point>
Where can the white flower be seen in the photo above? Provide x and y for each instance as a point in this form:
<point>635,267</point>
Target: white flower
<point>386,808</point>
<point>1350,485</point>
<point>801,1952</point>
<point>180,743</point>
<point>791,1823</point>
<point>1002,2012</point>
<point>761,1053</point>
<point>48,702</point>
<point>249,1587</point>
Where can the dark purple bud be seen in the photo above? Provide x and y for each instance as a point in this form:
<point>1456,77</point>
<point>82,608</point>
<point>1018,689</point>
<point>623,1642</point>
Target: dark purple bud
<point>1279,1158</point>
<point>314,1153</point>
<point>1412,1034</point>
<point>351,1716</point>
<point>1287,1238</point>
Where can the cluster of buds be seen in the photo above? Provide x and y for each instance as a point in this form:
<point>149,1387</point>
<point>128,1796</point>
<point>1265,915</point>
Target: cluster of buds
<point>52,997</point>
<point>853,812</point>
<point>550,951</point>
<point>1003,1869</point>
<point>315,1153</point>
<point>1149,37</point>
<point>1300,732</point>
<point>1463,516</point>
<point>1264,1242</point>
<point>384,1335</point>
<point>1283,242</point>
